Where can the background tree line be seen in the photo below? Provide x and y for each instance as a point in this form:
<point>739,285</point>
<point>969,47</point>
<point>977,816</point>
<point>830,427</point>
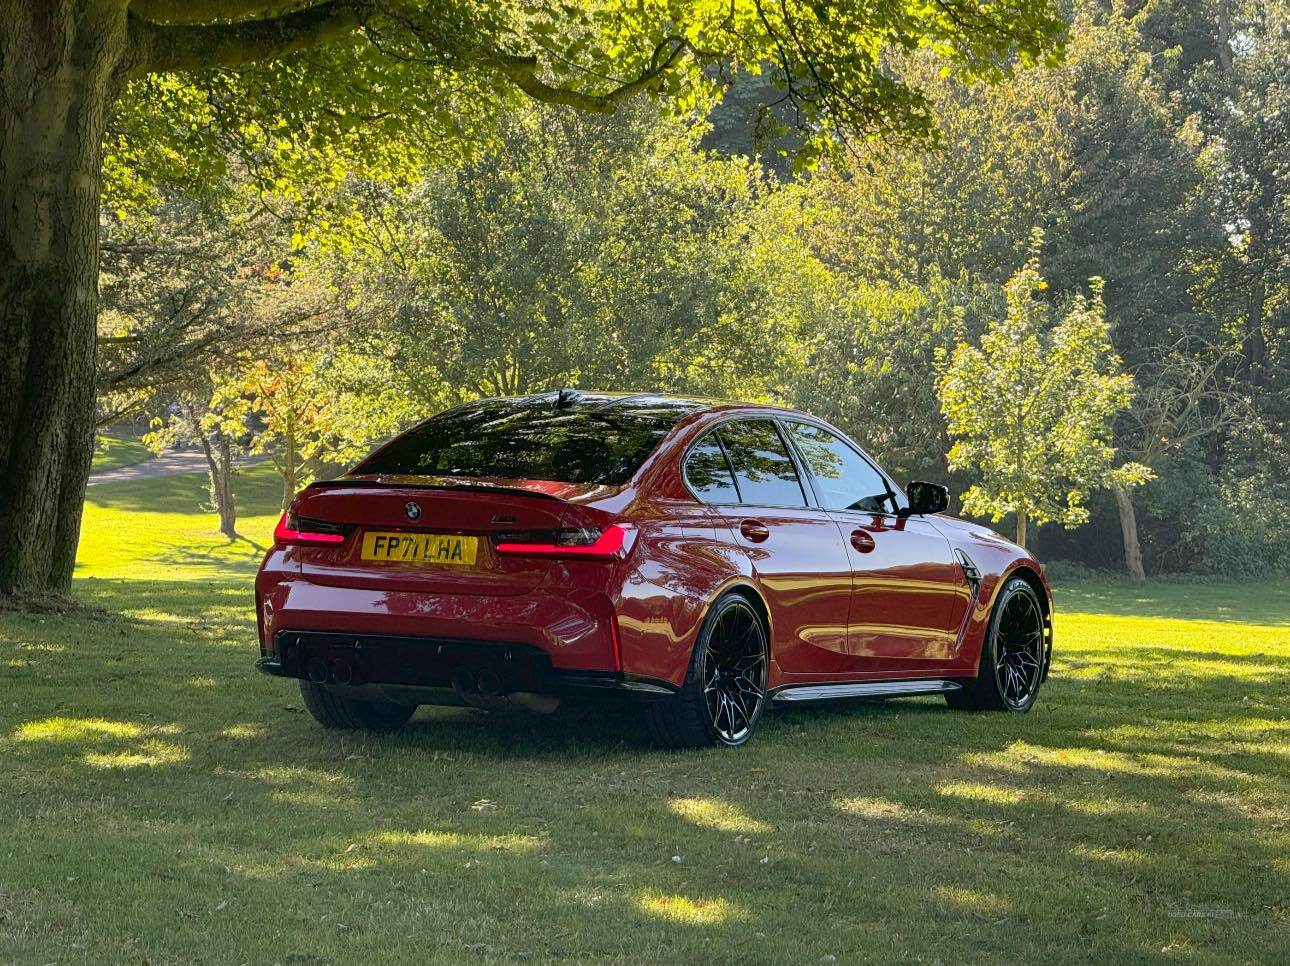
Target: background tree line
<point>1100,243</point>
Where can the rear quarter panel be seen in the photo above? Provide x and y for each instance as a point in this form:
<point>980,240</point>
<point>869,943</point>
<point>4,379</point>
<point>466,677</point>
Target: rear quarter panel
<point>681,563</point>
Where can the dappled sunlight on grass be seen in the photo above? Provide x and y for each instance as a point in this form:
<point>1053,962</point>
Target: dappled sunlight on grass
<point>114,744</point>
<point>972,900</point>
<point>243,732</point>
<point>692,912</point>
<point>394,851</point>
<point>76,729</point>
<point>1102,853</point>
<point>718,815</point>
<point>1022,757</point>
<point>875,808</point>
<point>148,754</point>
<point>457,840</point>
<point>991,794</point>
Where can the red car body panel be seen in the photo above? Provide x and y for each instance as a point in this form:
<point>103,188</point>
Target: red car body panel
<point>848,596</point>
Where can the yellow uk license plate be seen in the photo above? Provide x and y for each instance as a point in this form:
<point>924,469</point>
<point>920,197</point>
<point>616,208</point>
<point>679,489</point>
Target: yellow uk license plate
<point>420,548</point>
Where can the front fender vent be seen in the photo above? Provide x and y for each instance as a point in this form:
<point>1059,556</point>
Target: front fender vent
<point>970,570</point>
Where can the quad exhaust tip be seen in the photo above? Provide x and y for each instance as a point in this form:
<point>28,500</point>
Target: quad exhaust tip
<point>318,671</point>
<point>341,672</point>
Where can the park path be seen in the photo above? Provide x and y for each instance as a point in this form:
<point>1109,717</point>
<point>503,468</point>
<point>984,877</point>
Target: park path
<point>170,463</point>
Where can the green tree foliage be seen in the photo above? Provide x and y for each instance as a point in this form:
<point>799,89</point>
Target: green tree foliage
<point>1032,409</point>
<point>1153,157</point>
<point>586,251</point>
<point>187,285</point>
<point>874,361</point>
<point>309,410</point>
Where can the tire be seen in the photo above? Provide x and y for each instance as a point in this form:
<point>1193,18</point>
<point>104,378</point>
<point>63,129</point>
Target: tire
<point>725,688</point>
<point>1011,651</point>
<point>332,711</point>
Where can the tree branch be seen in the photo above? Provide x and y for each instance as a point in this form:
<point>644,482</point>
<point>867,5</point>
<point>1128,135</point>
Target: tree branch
<point>162,48</point>
<point>522,72</point>
<point>199,12</point>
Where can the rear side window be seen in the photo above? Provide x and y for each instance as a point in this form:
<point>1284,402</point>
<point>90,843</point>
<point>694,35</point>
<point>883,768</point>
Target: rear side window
<point>764,472</point>
<point>529,440</point>
<point>708,472</point>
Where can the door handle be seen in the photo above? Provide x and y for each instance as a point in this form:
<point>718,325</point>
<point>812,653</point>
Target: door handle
<point>862,541</point>
<point>754,530</point>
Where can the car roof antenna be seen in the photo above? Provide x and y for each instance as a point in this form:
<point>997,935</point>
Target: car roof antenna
<point>567,398</point>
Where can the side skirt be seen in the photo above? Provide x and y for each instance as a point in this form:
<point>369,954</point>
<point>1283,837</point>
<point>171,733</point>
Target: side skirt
<point>794,693</point>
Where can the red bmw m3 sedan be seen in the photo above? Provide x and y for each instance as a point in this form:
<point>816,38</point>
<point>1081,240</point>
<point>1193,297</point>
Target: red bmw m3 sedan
<point>703,559</point>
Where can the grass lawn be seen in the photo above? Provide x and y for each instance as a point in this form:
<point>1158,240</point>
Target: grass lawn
<point>160,802</point>
<point>112,452</point>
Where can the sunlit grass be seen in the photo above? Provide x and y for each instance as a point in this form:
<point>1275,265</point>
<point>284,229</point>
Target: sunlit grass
<point>161,802</point>
<point>149,754</point>
<point>112,452</point>
<point>683,909</point>
<point>718,815</point>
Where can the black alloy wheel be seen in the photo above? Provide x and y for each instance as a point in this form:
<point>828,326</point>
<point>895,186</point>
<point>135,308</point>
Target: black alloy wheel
<point>1013,657</point>
<point>1018,644</point>
<point>734,673</point>
<point>725,691</point>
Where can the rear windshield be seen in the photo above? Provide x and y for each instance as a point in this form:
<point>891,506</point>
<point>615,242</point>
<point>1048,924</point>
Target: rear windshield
<point>602,442</point>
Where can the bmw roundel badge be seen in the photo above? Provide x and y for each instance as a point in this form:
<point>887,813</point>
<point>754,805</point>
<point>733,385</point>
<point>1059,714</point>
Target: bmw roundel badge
<point>413,510</point>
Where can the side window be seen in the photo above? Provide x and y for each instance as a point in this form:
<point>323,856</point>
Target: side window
<point>764,472</point>
<point>844,480</point>
<point>708,472</point>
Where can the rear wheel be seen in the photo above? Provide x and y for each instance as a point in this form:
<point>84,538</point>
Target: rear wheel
<point>1012,657</point>
<point>332,711</point>
<point>725,689</point>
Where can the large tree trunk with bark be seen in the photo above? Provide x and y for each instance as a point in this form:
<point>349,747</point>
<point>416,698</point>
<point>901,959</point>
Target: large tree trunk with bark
<point>1129,529</point>
<point>60,70</point>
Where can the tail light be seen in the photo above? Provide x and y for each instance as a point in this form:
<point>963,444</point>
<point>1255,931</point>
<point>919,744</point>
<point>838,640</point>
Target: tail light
<point>292,529</point>
<point>611,543</point>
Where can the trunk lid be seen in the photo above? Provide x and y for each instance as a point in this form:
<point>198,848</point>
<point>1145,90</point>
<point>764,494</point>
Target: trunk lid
<point>371,510</point>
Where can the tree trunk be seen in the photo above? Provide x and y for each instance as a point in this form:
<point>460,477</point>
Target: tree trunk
<point>60,70</point>
<point>224,490</point>
<point>290,472</point>
<point>1254,347</point>
<point>219,461</point>
<point>1129,528</point>
<point>1021,528</point>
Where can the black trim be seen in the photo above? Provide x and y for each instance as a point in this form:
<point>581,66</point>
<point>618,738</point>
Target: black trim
<point>970,570</point>
<point>805,478</point>
<point>431,664</point>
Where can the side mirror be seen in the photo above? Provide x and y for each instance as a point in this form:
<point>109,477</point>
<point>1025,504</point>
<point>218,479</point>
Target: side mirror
<point>926,498</point>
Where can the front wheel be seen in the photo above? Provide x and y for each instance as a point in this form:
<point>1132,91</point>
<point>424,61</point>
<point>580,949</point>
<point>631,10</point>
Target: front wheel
<point>332,711</point>
<point>1012,656</point>
<point>725,689</point>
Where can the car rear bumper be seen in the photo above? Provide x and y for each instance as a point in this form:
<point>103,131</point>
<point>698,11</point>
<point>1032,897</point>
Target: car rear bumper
<point>573,628</point>
<point>433,670</point>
